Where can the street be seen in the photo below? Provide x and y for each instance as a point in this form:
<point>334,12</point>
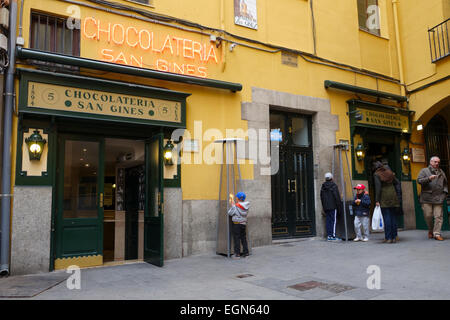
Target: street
<point>310,269</point>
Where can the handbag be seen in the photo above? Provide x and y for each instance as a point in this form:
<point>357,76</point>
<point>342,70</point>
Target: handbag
<point>377,219</point>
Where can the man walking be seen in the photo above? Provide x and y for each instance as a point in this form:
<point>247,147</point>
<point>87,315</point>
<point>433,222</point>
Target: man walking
<point>434,192</point>
<point>331,203</point>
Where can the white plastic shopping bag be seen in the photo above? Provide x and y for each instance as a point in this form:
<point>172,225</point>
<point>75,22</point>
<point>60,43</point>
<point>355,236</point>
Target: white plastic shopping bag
<point>377,220</point>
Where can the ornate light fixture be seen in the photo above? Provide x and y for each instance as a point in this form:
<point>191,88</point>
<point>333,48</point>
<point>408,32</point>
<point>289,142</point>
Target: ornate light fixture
<point>35,145</point>
<point>360,152</point>
<point>406,156</point>
<point>168,153</point>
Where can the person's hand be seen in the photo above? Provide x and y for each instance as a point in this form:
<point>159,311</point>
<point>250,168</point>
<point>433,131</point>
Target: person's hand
<point>434,176</point>
<point>377,204</point>
<point>358,201</point>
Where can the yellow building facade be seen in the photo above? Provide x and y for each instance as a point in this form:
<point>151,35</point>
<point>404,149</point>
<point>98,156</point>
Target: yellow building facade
<point>111,86</point>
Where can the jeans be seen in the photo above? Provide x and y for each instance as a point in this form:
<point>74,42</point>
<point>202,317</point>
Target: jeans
<point>331,222</point>
<point>390,223</point>
<point>239,236</point>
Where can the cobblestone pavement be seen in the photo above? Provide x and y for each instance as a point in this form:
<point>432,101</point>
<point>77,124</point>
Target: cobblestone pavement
<point>308,269</point>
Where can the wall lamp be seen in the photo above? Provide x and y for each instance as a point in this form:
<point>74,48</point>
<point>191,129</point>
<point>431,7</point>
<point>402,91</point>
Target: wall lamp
<point>406,156</point>
<point>359,152</point>
<point>419,126</point>
<point>35,145</point>
<point>168,153</point>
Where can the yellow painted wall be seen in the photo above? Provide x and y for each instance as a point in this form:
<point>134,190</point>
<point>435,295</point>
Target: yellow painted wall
<point>415,18</point>
<point>284,23</point>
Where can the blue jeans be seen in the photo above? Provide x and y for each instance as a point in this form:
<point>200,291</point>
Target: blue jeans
<point>331,223</point>
<point>390,223</point>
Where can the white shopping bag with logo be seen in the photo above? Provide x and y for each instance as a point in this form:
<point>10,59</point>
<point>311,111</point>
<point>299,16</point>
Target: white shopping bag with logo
<point>377,220</point>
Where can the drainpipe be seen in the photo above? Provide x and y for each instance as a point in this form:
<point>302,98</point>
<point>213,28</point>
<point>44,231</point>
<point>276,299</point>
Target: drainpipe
<point>399,49</point>
<point>6,169</point>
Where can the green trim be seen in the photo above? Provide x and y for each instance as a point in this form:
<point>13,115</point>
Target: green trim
<point>353,104</point>
<point>25,53</point>
<point>62,224</point>
<point>374,93</point>
<point>385,137</point>
<point>101,85</point>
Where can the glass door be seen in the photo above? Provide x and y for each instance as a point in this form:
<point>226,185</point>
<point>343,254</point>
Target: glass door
<point>80,198</point>
<point>154,209</point>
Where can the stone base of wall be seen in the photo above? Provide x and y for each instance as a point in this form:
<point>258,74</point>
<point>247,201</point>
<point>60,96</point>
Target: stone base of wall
<point>30,230</point>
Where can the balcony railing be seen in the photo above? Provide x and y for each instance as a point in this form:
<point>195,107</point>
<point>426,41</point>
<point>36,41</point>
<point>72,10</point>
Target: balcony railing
<point>439,41</point>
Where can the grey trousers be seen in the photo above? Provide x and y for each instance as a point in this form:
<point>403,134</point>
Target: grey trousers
<point>363,222</point>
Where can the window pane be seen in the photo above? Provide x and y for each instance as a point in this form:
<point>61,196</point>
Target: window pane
<point>80,179</point>
<point>49,33</point>
<point>362,15</point>
<point>277,124</point>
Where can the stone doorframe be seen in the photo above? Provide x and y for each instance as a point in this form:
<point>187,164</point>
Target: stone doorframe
<point>324,127</point>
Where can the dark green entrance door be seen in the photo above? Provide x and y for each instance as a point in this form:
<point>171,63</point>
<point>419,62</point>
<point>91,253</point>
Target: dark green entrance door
<point>292,194</point>
<point>293,212</point>
<point>79,208</point>
<point>154,209</point>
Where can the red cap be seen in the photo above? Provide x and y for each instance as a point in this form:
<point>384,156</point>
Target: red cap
<point>360,187</point>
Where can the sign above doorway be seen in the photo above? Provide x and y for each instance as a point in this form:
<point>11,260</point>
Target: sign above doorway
<point>100,99</point>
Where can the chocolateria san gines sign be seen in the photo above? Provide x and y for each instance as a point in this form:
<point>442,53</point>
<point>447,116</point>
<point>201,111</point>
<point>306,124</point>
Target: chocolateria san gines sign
<point>95,102</point>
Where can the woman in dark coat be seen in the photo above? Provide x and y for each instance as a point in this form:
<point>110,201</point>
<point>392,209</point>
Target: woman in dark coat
<point>387,196</point>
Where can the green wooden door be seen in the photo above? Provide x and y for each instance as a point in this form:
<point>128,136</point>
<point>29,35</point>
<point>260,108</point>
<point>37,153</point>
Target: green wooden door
<point>79,210</point>
<point>154,209</point>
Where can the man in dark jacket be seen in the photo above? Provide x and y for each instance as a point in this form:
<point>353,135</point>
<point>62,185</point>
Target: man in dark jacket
<point>434,191</point>
<point>388,197</point>
<point>331,204</point>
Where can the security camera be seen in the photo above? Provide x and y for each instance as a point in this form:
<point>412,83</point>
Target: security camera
<point>232,46</point>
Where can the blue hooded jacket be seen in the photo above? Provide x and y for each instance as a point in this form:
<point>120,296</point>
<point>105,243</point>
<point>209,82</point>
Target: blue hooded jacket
<point>363,209</point>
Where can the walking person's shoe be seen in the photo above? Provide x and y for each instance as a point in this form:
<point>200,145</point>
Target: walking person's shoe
<point>393,241</point>
<point>385,241</point>
<point>365,239</point>
<point>389,241</point>
<point>245,255</point>
<point>430,235</point>
<point>439,238</point>
<point>357,239</point>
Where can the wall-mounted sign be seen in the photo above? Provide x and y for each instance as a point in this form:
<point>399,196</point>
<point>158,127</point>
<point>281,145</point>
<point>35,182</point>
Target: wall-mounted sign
<point>95,102</point>
<point>276,135</point>
<point>151,46</point>
<point>289,59</point>
<point>418,155</point>
<point>384,119</point>
<point>245,13</point>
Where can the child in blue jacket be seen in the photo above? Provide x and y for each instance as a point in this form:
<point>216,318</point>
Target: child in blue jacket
<point>361,208</point>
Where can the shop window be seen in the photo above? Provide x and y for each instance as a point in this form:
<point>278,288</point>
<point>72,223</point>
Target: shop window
<point>368,16</point>
<point>54,34</point>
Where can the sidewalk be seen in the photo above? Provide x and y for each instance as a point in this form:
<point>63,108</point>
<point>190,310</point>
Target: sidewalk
<point>414,268</point>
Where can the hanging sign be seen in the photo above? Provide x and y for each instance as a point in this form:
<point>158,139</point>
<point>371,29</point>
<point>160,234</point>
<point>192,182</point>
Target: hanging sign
<point>95,102</point>
<point>384,119</point>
